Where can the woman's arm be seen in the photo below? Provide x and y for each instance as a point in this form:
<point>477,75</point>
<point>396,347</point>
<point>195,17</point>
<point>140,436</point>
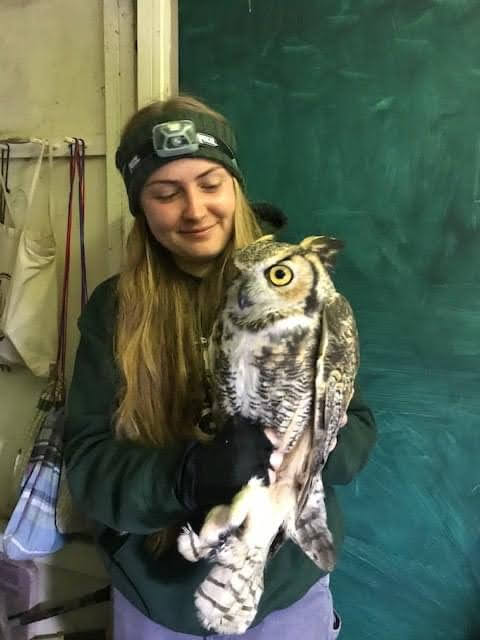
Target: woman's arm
<point>121,484</point>
<point>354,443</point>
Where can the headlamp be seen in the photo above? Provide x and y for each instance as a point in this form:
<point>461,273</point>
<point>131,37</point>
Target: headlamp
<point>174,138</point>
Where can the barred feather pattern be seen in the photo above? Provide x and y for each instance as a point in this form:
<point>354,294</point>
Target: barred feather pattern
<point>232,540</point>
<point>228,597</point>
<point>283,352</point>
<point>231,592</point>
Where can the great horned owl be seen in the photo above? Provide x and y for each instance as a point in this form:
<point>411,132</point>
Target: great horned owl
<point>284,352</point>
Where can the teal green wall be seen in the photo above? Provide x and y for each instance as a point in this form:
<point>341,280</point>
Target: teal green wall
<point>362,120</point>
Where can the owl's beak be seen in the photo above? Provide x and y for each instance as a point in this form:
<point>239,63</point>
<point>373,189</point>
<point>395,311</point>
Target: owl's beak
<point>243,299</point>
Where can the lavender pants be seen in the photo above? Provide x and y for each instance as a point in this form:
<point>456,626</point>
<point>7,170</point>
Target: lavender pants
<point>310,618</point>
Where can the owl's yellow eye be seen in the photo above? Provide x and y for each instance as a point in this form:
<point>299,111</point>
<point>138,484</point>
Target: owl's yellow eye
<point>280,275</point>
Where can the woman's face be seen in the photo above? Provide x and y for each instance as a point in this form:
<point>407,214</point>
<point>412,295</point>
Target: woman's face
<point>189,206</point>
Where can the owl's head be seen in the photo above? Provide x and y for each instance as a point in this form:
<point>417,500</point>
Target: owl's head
<point>275,280</point>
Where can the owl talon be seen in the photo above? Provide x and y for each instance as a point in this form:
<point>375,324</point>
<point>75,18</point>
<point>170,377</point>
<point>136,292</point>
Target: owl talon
<point>212,556</point>
<point>189,544</point>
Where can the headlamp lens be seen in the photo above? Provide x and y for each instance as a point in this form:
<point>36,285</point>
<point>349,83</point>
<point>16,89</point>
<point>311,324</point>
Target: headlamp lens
<point>174,138</point>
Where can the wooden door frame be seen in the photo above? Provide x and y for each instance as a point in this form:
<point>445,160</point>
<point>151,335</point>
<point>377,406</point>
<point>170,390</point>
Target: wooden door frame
<point>156,78</point>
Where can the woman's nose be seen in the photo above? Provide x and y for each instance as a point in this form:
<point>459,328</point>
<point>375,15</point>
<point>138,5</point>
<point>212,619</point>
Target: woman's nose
<point>194,206</point>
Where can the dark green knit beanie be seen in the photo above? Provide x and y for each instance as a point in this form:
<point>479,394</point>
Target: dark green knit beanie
<point>175,133</point>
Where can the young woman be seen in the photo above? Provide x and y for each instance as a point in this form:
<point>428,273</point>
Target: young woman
<point>139,461</point>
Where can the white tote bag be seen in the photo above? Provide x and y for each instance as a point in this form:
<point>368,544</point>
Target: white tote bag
<point>9,238</point>
<point>29,318</point>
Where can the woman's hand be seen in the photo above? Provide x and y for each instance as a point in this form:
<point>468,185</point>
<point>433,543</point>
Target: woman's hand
<point>212,473</point>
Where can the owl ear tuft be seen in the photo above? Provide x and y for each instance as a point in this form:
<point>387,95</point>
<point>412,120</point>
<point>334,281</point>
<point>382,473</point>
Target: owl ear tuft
<point>266,238</point>
<point>325,246</point>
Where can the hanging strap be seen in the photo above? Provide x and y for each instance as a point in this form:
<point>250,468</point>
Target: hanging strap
<point>31,193</point>
<point>77,164</point>
<point>34,183</point>
<point>6,199</point>
<point>4,172</point>
<point>62,331</point>
<point>80,162</point>
<point>51,200</point>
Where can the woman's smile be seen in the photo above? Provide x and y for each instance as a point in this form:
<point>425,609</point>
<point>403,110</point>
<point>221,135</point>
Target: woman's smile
<point>199,233</point>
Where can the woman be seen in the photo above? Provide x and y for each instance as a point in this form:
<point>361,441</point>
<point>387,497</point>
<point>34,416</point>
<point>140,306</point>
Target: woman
<point>139,461</point>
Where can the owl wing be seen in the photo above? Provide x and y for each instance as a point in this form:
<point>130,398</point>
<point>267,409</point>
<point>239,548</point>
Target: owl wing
<point>337,364</point>
<point>338,371</point>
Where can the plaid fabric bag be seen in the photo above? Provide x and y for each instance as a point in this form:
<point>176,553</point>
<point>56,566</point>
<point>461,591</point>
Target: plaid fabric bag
<point>31,529</point>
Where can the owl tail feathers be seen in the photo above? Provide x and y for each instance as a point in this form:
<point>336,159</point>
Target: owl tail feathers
<point>227,600</point>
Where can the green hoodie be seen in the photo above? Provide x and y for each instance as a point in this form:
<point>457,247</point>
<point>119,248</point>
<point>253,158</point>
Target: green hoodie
<point>127,489</point>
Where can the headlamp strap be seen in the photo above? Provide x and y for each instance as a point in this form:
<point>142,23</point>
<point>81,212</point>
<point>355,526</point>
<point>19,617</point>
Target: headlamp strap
<point>176,138</point>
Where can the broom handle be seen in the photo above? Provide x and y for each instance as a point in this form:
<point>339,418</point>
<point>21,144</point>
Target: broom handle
<point>43,610</point>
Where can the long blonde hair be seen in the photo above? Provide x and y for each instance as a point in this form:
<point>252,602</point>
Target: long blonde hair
<point>162,315</point>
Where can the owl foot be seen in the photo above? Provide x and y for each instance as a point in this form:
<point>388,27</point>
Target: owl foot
<point>214,532</point>
<point>220,523</point>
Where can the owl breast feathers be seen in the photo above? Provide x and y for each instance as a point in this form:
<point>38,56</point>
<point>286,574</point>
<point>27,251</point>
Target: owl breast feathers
<point>284,352</point>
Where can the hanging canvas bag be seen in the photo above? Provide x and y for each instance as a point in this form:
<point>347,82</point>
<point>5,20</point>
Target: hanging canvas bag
<point>29,319</point>
<point>9,239</point>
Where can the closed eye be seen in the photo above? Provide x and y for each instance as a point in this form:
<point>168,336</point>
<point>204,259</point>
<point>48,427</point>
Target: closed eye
<point>166,197</point>
<point>211,185</point>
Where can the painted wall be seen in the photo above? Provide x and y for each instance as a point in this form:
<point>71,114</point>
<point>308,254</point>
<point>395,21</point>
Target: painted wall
<point>361,119</point>
<point>52,84</point>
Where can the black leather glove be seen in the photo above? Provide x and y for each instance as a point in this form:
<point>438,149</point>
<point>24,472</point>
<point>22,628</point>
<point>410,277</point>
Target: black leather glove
<point>212,473</point>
